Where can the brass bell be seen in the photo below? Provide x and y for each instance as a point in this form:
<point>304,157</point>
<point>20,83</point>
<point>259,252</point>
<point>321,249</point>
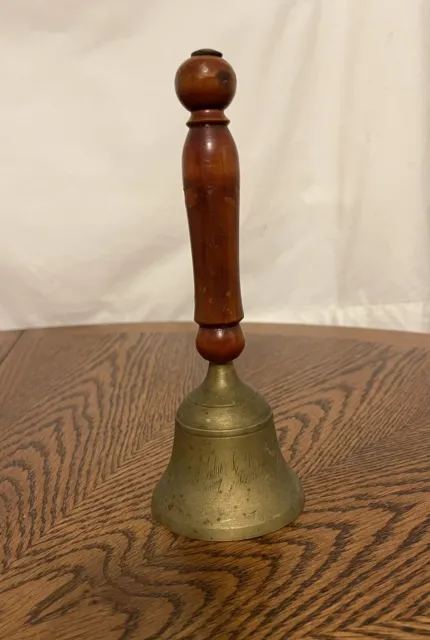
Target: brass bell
<point>227,478</point>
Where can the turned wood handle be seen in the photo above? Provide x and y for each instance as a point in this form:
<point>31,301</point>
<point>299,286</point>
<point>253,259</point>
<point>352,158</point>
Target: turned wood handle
<point>205,85</point>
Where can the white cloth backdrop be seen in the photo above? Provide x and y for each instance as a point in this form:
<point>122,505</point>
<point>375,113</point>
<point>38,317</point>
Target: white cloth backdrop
<point>331,118</point>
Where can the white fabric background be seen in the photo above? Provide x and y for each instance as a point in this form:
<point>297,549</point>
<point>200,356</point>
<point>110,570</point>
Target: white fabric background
<point>332,123</point>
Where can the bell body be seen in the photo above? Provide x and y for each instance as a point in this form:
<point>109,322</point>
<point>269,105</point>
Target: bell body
<point>227,478</point>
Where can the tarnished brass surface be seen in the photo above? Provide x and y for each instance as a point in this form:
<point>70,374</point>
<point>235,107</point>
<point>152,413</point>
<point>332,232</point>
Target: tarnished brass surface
<point>227,478</point>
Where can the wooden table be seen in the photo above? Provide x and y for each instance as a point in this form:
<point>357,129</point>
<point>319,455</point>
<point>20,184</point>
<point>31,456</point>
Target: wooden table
<point>86,426</point>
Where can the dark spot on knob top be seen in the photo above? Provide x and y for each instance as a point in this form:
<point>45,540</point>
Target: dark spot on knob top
<point>206,52</point>
<point>205,81</point>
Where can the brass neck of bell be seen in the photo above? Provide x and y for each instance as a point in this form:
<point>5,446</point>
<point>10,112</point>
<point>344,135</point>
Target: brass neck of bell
<point>223,405</point>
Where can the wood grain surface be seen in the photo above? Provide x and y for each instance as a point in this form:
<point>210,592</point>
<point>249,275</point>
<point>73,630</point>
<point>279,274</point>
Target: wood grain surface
<point>8,340</point>
<point>86,424</point>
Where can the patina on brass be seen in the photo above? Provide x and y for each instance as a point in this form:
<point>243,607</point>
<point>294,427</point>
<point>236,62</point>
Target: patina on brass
<point>227,478</point>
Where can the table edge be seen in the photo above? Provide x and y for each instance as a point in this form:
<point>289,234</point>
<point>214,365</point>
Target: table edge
<point>394,337</point>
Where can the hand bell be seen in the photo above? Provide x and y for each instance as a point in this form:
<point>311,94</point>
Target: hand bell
<point>227,478</point>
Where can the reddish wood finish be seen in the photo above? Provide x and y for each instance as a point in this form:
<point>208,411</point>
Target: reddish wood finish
<point>205,85</point>
<point>220,344</point>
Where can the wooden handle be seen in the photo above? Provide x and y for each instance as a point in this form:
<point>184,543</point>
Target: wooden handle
<point>205,85</point>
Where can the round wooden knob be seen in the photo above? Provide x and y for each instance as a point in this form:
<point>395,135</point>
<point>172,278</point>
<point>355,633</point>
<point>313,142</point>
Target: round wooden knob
<point>205,81</point>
